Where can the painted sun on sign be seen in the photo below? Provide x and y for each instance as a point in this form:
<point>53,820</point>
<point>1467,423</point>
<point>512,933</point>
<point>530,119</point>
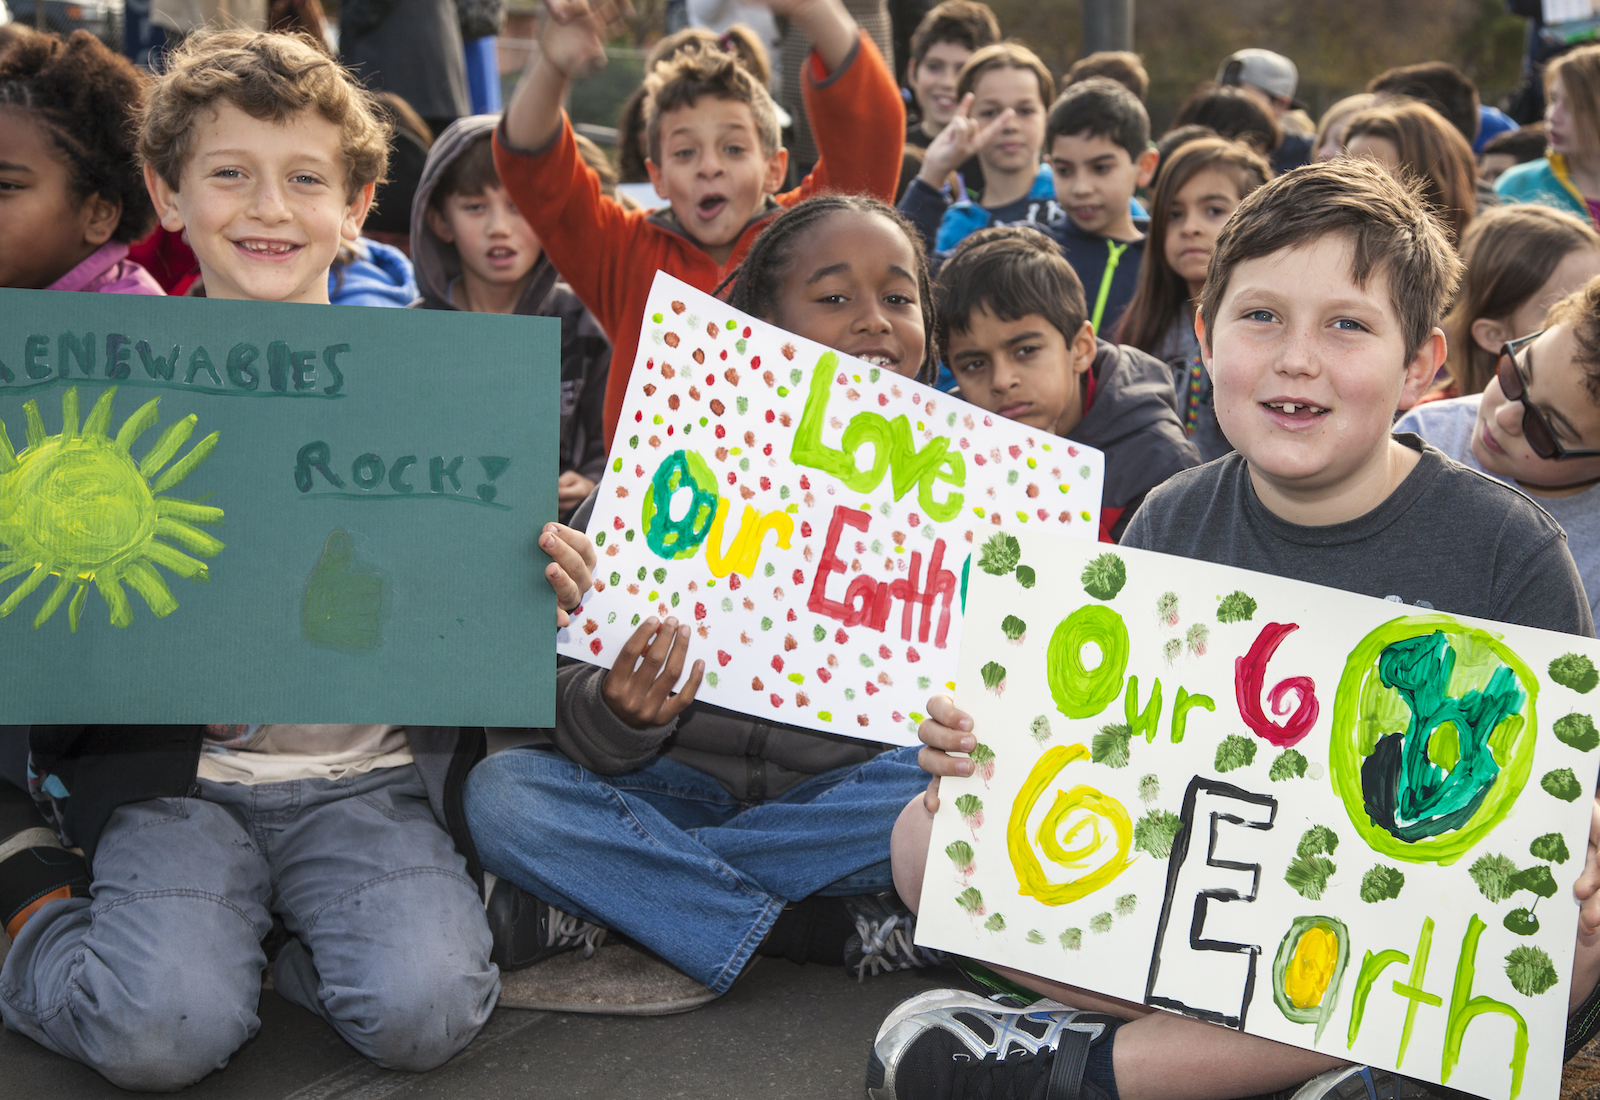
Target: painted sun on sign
<point>78,507</point>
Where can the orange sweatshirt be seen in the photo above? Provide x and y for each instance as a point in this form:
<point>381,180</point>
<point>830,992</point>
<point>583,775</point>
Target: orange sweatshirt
<point>610,255</point>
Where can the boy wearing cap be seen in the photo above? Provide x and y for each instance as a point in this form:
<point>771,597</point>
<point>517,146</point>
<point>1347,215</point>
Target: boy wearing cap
<point>1270,79</point>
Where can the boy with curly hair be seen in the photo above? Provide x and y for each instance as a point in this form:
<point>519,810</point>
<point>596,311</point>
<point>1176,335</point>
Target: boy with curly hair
<point>143,957</point>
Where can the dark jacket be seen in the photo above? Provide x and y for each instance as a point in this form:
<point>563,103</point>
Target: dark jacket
<point>81,774</point>
<point>585,351</point>
<point>1090,255</point>
<point>412,48</point>
<point>752,759</point>
<point>1133,418</point>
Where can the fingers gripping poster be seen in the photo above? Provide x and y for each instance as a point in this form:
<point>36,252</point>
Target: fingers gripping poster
<point>810,515</point>
<point>218,511</point>
<point>1329,820</point>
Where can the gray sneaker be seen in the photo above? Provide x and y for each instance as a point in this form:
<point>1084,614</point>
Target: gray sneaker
<point>882,941</point>
<point>527,929</point>
<point>1367,1083</point>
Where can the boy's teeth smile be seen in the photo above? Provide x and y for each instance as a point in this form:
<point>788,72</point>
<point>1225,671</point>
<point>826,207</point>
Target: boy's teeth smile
<point>268,248</point>
<point>1297,409</point>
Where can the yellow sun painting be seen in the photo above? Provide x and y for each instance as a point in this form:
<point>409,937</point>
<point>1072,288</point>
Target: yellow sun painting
<point>79,507</point>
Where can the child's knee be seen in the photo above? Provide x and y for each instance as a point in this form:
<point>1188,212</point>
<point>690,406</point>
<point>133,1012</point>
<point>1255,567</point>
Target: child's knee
<point>173,1035</point>
<point>908,850</point>
<point>424,1011</point>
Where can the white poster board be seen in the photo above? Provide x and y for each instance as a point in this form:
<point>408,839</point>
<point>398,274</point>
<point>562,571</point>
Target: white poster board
<point>810,514</point>
<point>1330,820</point>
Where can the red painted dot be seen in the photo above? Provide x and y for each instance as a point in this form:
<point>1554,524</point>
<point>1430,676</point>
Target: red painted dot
<point>914,519</point>
<point>912,656</point>
<point>1044,513</point>
<point>766,484</point>
<point>649,364</point>
<point>872,689</point>
<point>777,664</point>
<point>799,577</point>
<point>884,652</point>
<point>883,399</point>
<point>755,361</point>
<point>777,700</point>
<point>792,616</point>
<point>771,416</point>
<point>733,479</point>
<point>723,657</point>
<point>840,637</point>
<point>733,581</point>
<point>724,353</point>
<point>711,379</point>
<point>805,482</point>
<point>669,429</point>
<point>824,675</point>
<point>747,332</point>
<point>805,528</point>
<point>767,450</point>
<point>617,523</point>
<point>842,379</point>
<point>638,417</point>
<point>594,646</point>
<point>699,611</point>
<point>720,431</point>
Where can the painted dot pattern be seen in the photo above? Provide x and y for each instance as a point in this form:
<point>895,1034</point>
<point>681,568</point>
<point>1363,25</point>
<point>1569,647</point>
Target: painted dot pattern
<point>733,390</point>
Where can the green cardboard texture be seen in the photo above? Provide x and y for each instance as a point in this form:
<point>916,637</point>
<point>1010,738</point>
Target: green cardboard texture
<point>241,512</point>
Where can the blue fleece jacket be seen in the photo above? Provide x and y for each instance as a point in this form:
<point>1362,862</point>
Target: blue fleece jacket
<point>381,277</point>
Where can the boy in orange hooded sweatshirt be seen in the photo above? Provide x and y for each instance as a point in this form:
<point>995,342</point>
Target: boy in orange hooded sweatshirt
<point>715,156</point>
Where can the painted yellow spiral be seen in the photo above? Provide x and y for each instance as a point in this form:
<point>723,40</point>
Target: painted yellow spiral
<point>1072,835</point>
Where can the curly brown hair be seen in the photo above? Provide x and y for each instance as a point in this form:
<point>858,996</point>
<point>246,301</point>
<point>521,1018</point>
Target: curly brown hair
<point>268,76</point>
<point>85,97</point>
<point>684,79</point>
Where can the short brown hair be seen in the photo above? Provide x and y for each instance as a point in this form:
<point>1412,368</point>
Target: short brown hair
<point>268,76</point>
<point>683,80</point>
<point>1431,150</point>
<point>738,40</point>
<point>1579,73</point>
<point>1123,66</point>
<point>964,22</point>
<point>1006,55</point>
<point>1391,229</point>
<point>470,172</point>
<point>1009,272</point>
<point>1581,310</point>
<point>1509,254</point>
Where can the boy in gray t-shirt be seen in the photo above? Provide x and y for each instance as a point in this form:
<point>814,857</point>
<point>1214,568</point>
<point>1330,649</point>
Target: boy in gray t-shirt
<point>1317,318</point>
<point>1547,443</point>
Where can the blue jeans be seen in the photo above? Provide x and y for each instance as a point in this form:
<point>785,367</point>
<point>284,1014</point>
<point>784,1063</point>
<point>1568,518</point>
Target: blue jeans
<point>154,981</point>
<point>666,856</point>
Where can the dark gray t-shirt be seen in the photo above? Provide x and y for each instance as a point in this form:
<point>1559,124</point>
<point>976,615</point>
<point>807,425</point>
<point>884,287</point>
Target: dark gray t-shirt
<point>1447,538</point>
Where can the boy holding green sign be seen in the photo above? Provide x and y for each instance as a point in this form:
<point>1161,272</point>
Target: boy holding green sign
<point>143,957</point>
<point>1322,284</point>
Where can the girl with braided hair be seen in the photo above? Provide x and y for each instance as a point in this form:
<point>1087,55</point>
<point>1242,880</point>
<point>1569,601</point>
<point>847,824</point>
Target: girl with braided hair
<point>847,271</point>
<point>71,194</point>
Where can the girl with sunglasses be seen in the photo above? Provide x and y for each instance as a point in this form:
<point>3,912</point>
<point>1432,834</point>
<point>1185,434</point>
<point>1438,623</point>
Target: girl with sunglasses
<point>1537,424</point>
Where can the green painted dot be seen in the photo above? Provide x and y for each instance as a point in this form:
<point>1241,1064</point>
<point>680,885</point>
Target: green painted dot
<point>599,538</point>
<point>727,603</point>
<point>656,317</point>
<point>884,508</point>
<point>627,536</point>
<point>783,391</point>
<point>744,405</point>
<point>616,466</point>
<point>611,618</point>
<point>950,421</point>
<point>687,428</point>
<point>658,419</point>
<point>744,464</point>
<point>825,715</point>
<point>739,346</point>
<point>674,599</point>
<point>643,572</point>
<point>766,624</point>
<point>702,421</point>
<point>1084,471</point>
<point>1011,477</point>
<point>783,492</point>
<point>616,579</point>
<point>866,662</point>
<point>818,632</point>
<point>635,621</point>
<point>872,375</point>
<point>849,693</point>
<point>923,683</point>
<point>711,678</point>
<point>877,546</point>
<point>770,569</point>
<point>654,595</point>
<point>633,441</point>
<point>661,576</point>
<point>732,324</point>
<point>794,376</point>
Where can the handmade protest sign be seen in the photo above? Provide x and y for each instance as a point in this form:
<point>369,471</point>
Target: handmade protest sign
<point>811,515</point>
<point>361,488</point>
<point>1330,820</point>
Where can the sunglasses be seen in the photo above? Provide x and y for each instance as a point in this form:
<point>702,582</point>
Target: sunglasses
<point>1536,427</point>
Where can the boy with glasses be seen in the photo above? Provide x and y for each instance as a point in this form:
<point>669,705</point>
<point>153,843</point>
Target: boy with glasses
<point>1537,425</point>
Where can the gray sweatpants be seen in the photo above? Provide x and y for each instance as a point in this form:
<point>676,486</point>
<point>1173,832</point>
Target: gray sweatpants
<point>154,981</point>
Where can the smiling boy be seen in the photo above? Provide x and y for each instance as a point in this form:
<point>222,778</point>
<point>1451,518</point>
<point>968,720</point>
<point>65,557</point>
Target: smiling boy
<point>1010,323</point>
<point>1547,441</point>
<point>948,35</point>
<point>1097,140</point>
<point>714,155</point>
<point>1319,315</point>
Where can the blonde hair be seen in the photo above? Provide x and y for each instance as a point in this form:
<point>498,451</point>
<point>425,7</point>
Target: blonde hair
<point>270,77</point>
<point>1579,73</point>
<point>683,80</point>
<point>1510,252</point>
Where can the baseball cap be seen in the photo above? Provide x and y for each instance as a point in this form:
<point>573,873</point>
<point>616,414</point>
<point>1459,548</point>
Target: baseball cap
<point>1271,72</point>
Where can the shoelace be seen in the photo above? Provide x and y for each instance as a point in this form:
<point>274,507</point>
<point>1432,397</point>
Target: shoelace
<point>996,1078</point>
<point>887,946</point>
<point>567,930</point>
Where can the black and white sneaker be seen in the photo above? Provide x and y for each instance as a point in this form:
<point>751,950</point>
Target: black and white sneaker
<point>527,930</point>
<point>944,1044</point>
<point>34,871</point>
<point>882,941</point>
<point>1368,1083</point>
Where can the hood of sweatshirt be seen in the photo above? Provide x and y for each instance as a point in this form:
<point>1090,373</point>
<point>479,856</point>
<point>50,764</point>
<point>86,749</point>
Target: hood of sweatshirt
<point>377,275</point>
<point>1133,419</point>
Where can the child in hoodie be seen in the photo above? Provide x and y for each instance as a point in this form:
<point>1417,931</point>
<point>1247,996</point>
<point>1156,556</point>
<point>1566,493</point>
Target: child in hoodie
<point>71,194</point>
<point>474,251</point>
<point>715,156</point>
<point>1011,323</point>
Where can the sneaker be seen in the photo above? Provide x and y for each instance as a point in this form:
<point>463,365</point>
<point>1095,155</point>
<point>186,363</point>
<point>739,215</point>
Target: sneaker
<point>970,1047</point>
<point>1367,1083</point>
<point>527,930</point>
<point>35,870</point>
<point>882,940</point>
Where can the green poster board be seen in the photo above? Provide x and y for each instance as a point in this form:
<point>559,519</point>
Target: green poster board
<point>238,512</point>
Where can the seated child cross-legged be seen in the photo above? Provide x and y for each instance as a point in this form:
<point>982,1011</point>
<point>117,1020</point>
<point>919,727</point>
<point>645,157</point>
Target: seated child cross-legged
<point>1317,319</point>
<point>715,156</point>
<point>705,835</point>
<point>143,957</point>
<point>1546,441</point>
<point>474,251</point>
<point>1010,322</point>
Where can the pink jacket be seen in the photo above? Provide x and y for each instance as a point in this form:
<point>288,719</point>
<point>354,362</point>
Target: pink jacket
<point>109,271</point>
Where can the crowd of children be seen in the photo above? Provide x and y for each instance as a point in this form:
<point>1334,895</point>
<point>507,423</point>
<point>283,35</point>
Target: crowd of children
<point>1235,329</point>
